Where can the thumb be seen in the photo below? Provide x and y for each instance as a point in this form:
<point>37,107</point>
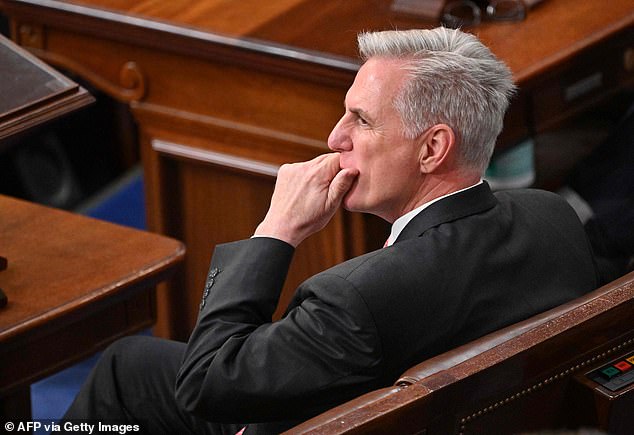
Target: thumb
<point>340,185</point>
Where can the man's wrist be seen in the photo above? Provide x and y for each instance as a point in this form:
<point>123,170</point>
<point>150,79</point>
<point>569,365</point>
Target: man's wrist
<point>265,231</point>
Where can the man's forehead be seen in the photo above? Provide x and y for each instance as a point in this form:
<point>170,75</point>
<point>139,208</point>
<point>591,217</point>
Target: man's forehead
<point>378,78</point>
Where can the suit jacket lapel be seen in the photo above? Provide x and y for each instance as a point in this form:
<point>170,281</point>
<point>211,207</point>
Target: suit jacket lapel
<point>472,201</point>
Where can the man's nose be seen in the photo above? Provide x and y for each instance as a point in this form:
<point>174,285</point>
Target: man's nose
<point>339,139</point>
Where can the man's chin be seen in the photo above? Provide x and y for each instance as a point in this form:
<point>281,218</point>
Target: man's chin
<point>347,204</point>
<point>354,204</point>
<point>351,199</point>
<point>351,204</point>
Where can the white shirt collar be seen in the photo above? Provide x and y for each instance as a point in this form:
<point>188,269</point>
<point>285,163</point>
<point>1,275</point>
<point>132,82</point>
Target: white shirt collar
<point>400,223</point>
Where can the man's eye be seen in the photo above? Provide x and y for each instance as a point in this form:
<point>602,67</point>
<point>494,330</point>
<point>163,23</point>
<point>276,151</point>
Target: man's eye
<point>362,121</point>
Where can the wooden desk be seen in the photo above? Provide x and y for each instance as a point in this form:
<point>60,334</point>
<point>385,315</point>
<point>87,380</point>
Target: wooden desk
<point>74,284</point>
<point>224,92</point>
<point>34,94</point>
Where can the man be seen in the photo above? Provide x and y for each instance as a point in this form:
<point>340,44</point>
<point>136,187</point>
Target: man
<point>419,127</point>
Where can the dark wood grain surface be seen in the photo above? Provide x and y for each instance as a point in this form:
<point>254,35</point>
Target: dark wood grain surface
<point>74,284</point>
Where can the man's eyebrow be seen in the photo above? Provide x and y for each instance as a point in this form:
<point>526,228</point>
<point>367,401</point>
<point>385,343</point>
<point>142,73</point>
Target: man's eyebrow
<point>361,113</point>
<point>357,111</point>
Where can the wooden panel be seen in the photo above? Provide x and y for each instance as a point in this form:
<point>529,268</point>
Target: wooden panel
<point>250,96</point>
<point>34,356</point>
<point>584,80</point>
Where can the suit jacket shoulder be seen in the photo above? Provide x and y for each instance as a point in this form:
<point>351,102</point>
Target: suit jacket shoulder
<point>468,265</point>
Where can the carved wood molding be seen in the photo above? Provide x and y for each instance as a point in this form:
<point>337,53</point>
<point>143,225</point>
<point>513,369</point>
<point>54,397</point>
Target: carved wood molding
<point>221,159</point>
<point>31,35</point>
<point>237,137</point>
<point>132,84</point>
<point>310,65</point>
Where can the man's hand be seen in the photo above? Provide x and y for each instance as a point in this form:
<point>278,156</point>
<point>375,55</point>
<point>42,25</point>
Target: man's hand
<point>305,198</point>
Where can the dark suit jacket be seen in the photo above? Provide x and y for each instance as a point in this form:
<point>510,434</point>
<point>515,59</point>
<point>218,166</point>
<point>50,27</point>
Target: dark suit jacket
<point>467,265</point>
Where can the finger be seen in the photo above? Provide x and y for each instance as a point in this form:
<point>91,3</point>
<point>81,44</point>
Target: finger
<point>340,185</point>
<point>324,159</point>
<point>321,169</point>
<point>331,164</point>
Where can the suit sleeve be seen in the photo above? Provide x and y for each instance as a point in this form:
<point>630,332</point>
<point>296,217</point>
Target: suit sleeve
<point>240,366</point>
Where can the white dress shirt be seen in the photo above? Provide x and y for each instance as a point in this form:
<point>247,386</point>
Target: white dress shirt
<point>402,222</point>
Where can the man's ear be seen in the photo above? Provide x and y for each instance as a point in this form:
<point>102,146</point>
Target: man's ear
<point>436,147</point>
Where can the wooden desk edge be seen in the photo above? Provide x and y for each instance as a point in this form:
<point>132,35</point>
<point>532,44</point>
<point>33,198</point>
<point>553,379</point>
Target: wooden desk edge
<point>148,277</point>
<point>45,111</point>
<point>271,56</point>
<point>546,64</point>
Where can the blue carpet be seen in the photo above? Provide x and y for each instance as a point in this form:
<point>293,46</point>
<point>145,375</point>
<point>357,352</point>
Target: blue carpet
<point>121,203</point>
<point>51,397</point>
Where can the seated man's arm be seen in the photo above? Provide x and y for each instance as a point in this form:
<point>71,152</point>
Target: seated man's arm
<point>241,367</point>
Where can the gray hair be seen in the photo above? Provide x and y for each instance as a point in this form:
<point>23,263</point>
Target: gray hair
<point>454,79</point>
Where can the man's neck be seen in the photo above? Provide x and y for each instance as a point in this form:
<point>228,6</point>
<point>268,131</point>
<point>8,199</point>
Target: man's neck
<point>438,186</point>
<point>400,223</point>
